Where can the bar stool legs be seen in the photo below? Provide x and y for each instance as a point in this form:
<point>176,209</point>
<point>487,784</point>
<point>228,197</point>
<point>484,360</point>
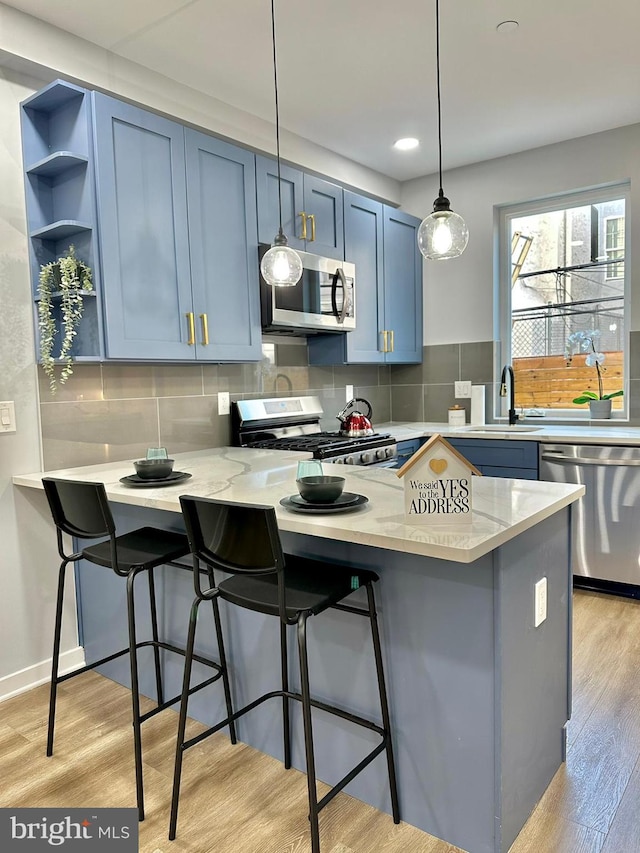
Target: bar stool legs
<point>308,733</point>
<point>384,704</point>
<point>181,744</point>
<point>286,725</point>
<point>53,691</point>
<point>135,694</point>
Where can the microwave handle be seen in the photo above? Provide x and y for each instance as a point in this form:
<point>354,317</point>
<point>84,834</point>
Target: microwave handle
<point>341,315</point>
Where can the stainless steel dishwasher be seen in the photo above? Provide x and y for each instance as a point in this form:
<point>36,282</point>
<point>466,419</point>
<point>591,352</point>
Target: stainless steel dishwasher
<point>606,521</point>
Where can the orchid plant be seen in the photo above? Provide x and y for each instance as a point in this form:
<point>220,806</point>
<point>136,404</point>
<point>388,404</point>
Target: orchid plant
<point>585,341</point>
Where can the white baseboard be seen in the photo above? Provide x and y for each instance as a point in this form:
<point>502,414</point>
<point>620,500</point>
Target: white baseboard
<point>39,673</point>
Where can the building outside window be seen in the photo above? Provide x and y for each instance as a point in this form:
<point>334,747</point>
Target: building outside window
<point>614,245</point>
<point>557,278</point>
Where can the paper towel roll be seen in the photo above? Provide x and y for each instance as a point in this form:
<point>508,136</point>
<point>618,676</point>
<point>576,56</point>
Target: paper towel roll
<point>477,405</point>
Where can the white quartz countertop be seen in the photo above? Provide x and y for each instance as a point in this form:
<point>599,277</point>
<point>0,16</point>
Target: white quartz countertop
<point>502,508</point>
<point>529,431</point>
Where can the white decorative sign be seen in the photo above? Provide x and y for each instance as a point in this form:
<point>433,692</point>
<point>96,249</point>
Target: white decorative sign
<point>437,484</point>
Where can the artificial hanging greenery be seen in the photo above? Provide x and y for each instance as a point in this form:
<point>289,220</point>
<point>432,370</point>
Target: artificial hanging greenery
<point>63,280</point>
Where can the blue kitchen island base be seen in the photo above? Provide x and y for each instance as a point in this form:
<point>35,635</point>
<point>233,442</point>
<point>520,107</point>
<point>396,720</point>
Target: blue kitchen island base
<point>479,697</point>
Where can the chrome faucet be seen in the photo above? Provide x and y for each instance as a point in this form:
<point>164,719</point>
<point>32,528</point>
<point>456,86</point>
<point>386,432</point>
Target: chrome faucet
<point>513,417</point>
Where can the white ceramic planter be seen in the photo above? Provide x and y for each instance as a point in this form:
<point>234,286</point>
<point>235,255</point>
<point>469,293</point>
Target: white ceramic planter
<point>600,409</point>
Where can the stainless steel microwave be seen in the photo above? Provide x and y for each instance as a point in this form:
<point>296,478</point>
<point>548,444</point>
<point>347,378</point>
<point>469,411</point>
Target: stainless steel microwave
<point>324,299</point>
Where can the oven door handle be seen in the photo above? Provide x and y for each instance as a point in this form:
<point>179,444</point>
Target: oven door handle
<point>340,315</point>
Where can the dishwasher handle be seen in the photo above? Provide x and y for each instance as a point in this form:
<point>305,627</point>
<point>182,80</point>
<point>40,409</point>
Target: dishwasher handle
<point>571,460</point>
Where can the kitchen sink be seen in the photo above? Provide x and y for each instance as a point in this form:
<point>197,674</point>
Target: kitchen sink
<point>499,428</point>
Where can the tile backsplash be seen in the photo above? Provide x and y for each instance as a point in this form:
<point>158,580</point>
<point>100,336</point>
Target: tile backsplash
<point>111,412</point>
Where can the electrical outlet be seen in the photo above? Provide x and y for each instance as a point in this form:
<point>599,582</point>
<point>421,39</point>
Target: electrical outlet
<point>463,389</point>
<point>540,602</point>
<point>349,393</point>
<point>223,402</point>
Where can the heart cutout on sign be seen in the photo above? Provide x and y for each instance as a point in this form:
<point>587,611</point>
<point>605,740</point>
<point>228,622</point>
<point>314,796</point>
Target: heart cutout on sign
<point>438,465</point>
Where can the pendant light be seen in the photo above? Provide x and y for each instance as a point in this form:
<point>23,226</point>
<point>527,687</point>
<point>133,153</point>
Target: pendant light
<point>281,266</point>
<point>442,234</point>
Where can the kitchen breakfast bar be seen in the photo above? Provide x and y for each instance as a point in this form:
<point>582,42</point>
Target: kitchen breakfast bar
<point>479,696</point>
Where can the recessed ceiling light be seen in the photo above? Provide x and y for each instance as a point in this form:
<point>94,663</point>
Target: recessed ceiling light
<point>507,27</point>
<point>407,143</point>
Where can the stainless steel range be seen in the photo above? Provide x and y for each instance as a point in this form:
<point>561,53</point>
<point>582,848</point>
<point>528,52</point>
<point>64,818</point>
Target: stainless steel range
<point>293,423</point>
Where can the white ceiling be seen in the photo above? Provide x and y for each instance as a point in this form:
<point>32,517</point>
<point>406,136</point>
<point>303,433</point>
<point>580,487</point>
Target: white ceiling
<point>354,75</point>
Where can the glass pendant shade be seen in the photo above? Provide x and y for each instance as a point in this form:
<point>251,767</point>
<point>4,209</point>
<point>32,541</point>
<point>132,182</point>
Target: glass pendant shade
<point>443,234</point>
<point>281,266</point>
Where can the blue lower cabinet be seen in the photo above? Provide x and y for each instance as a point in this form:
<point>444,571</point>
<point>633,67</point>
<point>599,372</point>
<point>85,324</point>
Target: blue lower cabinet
<point>406,449</point>
<point>500,458</point>
<point>177,224</point>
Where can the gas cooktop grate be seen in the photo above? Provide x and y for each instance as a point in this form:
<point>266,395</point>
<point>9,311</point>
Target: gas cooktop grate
<point>325,442</point>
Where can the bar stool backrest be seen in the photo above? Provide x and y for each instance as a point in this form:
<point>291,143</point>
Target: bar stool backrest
<point>80,509</point>
<point>235,538</point>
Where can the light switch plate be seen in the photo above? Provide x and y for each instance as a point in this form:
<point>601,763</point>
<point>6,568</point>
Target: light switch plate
<point>349,393</point>
<point>223,403</point>
<point>7,416</point>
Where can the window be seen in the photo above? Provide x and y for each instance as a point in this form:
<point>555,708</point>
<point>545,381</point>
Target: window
<point>614,244</point>
<point>562,271</point>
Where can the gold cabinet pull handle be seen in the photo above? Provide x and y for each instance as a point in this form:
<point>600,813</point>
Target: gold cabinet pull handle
<point>391,333</point>
<point>205,329</point>
<point>303,216</point>
<point>192,328</point>
<point>384,334</point>
<point>312,217</point>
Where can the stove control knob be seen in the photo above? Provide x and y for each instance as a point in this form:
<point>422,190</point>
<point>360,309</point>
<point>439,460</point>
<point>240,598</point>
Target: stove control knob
<point>338,461</point>
<point>350,460</point>
<point>366,458</point>
<point>389,452</point>
<point>381,454</point>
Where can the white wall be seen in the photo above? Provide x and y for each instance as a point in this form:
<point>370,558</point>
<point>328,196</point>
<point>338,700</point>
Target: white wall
<point>24,39</point>
<point>459,294</point>
<point>28,555</point>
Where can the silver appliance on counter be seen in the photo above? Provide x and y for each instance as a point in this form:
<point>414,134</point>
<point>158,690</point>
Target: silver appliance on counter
<point>324,300</point>
<point>293,423</point>
<point>606,521</point>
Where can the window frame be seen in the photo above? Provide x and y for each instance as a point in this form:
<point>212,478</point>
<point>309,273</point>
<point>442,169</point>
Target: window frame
<point>503,214</point>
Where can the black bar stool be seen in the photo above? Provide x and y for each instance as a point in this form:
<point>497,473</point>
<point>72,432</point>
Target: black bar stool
<point>82,510</point>
<point>243,540</point>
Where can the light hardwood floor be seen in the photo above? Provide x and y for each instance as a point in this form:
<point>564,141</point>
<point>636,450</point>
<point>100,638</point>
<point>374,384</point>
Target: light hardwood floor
<point>236,800</point>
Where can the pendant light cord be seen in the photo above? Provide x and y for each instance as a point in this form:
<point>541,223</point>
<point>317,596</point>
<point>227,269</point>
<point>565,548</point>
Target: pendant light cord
<point>275,86</point>
<point>441,193</point>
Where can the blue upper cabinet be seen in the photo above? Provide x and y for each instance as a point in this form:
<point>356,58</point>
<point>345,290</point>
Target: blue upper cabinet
<point>221,195</point>
<point>292,193</point>
<point>381,242</point>
<point>177,239</point>
<point>144,242</point>
<point>363,221</point>
<point>312,209</point>
<point>402,288</point>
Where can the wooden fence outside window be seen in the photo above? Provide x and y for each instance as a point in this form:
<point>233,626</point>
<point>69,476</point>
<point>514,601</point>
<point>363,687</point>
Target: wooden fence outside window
<point>547,382</point>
